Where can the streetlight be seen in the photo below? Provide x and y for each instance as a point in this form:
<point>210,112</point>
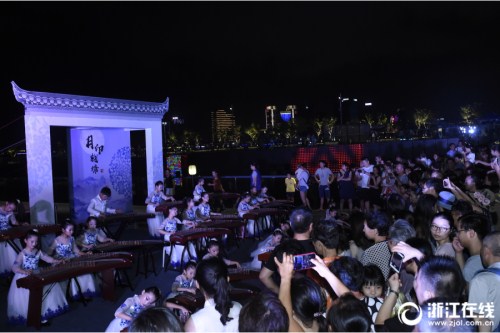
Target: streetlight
<point>192,173</point>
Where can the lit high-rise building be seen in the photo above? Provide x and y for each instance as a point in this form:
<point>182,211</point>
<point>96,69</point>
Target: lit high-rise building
<point>289,113</point>
<point>270,116</point>
<point>223,123</point>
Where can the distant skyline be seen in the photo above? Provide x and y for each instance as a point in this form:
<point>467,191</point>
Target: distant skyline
<point>206,56</point>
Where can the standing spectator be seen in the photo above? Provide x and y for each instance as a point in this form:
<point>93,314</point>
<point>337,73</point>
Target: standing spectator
<point>169,183</point>
<point>302,176</point>
<point>441,229</point>
<point>471,229</point>
<point>363,175</point>
<point>346,186</point>
<point>255,176</point>
<point>484,285</point>
<point>324,177</point>
<point>219,313</point>
<point>217,187</point>
<point>290,184</point>
<point>376,229</point>
<point>452,150</point>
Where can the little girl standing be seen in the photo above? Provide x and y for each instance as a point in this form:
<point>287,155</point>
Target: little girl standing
<point>373,289</point>
<point>131,308</point>
<point>64,246</point>
<point>54,302</point>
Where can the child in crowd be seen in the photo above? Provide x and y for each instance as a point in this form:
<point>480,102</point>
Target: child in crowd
<point>64,247</point>
<point>373,289</point>
<point>290,185</point>
<point>91,236</point>
<point>132,307</point>
<point>213,250</point>
<point>7,252</point>
<point>54,302</point>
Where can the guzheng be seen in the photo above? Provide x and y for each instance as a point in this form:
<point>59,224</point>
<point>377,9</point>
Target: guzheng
<point>228,224</point>
<point>238,274</point>
<point>126,245</point>
<point>164,207</point>
<point>224,196</point>
<point>192,302</point>
<point>123,219</point>
<point>104,263</point>
<point>262,212</point>
<point>284,204</point>
<point>225,217</point>
<point>264,256</point>
<point>184,236</point>
<point>19,232</point>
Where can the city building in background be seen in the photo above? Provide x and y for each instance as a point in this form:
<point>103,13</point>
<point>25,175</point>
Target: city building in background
<point>270,110</point>
<point>223,124</point>
<point>289,113</point>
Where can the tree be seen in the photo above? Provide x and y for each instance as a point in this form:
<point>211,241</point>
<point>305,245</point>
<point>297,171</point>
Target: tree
<point>329,123</point>
<point>370,119</point>
<point>467,113</point>
<point>422,117</point>
<point>252,132</point>
<point>318,126</point>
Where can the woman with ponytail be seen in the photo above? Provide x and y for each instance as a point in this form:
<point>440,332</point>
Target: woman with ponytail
<point>212,277</point>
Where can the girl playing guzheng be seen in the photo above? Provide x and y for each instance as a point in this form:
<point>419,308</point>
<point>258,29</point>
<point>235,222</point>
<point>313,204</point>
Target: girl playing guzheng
<point>64,247</point>
<point>167,228</point>
<point>92,235</point>
<point>54,302</point>
<point>132,307</point>
<point>7,252</point>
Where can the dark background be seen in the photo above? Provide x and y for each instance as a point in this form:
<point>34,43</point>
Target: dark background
<point>210,55</point>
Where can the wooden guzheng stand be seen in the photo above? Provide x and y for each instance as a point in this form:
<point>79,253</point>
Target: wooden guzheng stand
<point>105,263</point>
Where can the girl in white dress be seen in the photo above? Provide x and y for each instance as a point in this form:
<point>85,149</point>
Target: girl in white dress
<point>244,207</point>
<point>154,199</point>
<point>167,228</point>
<point>64,247</point>
<point>7,253</point>
<point>132,307</point>
<point>54,302</point>
<point>92,235</point>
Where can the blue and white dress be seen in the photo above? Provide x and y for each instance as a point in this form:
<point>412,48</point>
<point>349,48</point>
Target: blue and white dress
<point>54,302</point>
<point>131,307</point>
<point>86,281</point>
<point>203,211</point>
<point>7,253</point>
<point>154,223</point>
<point>170,225</point>
<point>243,208</point>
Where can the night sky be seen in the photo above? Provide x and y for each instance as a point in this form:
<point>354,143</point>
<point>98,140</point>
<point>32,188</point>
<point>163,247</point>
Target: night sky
<point>210,55</point>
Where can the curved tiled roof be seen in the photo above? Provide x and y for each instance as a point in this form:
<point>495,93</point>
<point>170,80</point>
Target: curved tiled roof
<point>87,103</point>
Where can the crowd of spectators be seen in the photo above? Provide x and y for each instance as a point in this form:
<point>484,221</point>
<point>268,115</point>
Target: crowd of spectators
<point>439,214</point>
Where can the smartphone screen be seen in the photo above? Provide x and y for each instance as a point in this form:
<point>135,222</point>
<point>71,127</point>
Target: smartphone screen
<point>303,261</point>
<point>396,261</point>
